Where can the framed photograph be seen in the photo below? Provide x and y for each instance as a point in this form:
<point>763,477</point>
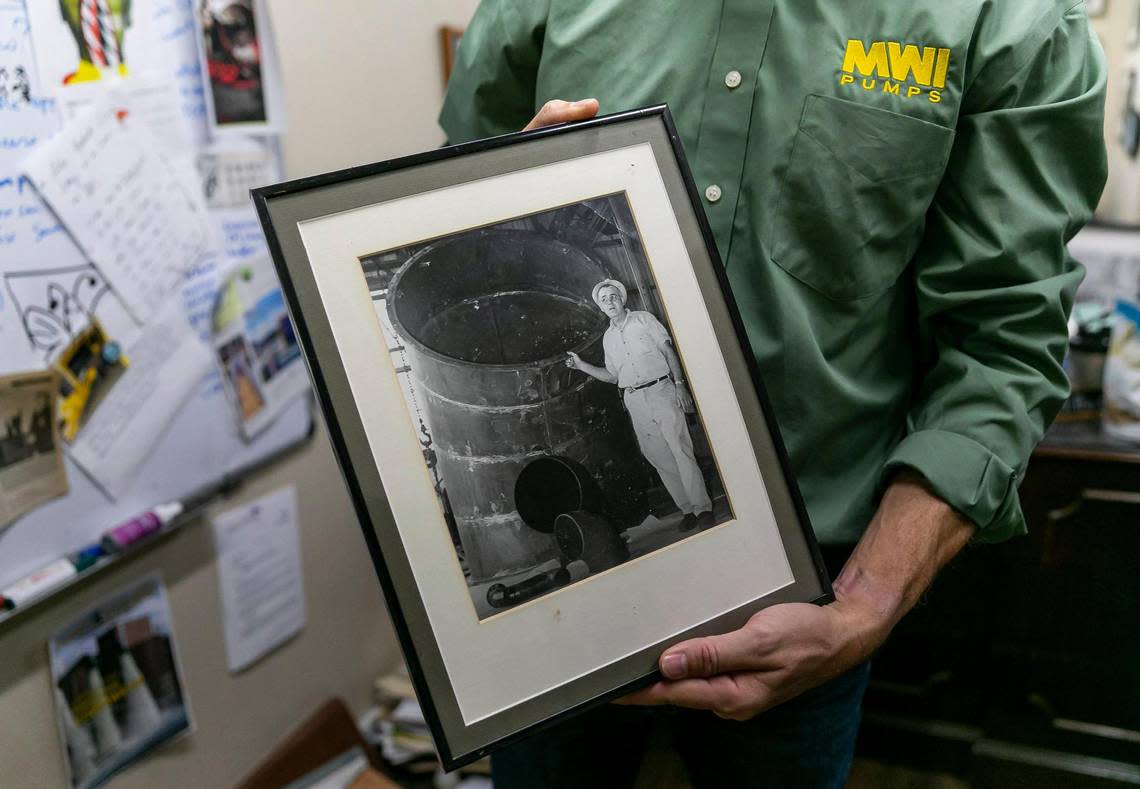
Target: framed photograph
<point>541,397</point>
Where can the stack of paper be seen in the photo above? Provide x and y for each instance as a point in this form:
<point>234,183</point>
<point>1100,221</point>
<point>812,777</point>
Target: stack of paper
<point>397,727</point>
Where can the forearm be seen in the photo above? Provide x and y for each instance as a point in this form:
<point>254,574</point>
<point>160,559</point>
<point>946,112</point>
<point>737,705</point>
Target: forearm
<point>912,536</point>
<point>674,363</point>
<point>601,373</point>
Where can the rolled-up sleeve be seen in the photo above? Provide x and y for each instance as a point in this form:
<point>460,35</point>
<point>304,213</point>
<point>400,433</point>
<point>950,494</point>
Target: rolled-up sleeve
<point>994,279</point>
<point>492,86</point>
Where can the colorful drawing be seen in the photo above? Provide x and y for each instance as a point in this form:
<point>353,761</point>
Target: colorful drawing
<point>98,27</point>
<point>88,367</point>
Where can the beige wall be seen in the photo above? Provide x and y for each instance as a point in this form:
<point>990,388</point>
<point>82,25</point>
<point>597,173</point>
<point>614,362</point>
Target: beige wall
<point>365,78</point>
<point>364,82</point>
<point>1117,29</point>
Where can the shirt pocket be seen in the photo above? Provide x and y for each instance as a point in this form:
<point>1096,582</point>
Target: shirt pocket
<point>854,198</point>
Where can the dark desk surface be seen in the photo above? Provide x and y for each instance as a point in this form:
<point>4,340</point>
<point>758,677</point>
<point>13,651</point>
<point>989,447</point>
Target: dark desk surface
<point>1085,441</point>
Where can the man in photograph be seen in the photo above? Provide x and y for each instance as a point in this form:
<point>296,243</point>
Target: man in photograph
<point>891,188</point>
<point>641,360</point>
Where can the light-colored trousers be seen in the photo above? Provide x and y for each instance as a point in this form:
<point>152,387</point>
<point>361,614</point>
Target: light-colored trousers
<point>663,436</point>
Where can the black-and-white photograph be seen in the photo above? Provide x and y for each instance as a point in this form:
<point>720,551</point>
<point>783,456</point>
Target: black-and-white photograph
<point>539,372</point>
<point>31,458</point>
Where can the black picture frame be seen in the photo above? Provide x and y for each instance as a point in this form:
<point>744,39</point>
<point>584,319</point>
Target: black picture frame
<point>319,229</point>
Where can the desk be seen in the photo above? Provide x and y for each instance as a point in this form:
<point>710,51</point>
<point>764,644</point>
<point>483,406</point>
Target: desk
<point>1022,665</point>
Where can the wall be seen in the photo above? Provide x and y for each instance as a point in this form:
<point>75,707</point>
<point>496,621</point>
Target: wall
<point>1117,29</point>
<point>352,98</point>
<point>365,78</point>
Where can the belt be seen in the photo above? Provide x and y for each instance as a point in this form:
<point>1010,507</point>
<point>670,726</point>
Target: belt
<point>629,389</point>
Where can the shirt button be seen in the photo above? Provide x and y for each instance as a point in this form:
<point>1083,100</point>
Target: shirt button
<point>712,193</point>
<point>732,78</point>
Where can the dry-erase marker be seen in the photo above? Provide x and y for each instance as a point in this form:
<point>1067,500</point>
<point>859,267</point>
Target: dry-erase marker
<point>144,525</point>
<point>88,556</point>
<point>42,580</point>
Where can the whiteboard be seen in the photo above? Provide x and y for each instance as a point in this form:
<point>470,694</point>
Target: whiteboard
<point>203,443</point>
<point>201,446</point>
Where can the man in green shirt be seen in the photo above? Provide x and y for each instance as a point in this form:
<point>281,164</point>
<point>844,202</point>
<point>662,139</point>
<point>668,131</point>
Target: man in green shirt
<point>891,187</point>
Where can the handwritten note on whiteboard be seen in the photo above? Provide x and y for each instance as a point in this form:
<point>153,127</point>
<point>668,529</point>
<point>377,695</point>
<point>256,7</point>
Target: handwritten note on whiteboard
<point>26,225</point>
<point>136,216</point>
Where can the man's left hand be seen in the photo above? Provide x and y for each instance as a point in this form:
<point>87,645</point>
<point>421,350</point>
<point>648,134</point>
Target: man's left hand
<point>684,398</point>
<point>787,649</point>
<point>780,653</point>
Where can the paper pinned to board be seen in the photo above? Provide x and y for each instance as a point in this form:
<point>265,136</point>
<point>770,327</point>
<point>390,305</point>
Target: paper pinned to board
<point>31,460</point>
<point>155,40</point>
<point>256,347</point>
<point>147,102</point>
<point>134,214</point>
<point>259,570</point>
<point>136,396</point>
<point>230,170</point>
<point>240,68</point>
<point>29,233</point>
<point>118,683</point>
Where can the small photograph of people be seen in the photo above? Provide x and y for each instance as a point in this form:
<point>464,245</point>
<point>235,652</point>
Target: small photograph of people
<point>554,410</point>
<point>238,366</point>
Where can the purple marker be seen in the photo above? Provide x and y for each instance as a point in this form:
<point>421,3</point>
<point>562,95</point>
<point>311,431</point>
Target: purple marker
<point>125,534</point>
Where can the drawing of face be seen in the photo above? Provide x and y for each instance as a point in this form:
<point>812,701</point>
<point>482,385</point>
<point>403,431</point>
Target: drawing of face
<point>86,291</point>
<point>54,304</point>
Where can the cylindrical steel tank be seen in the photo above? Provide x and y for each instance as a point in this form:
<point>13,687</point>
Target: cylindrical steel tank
<point>487,319</point>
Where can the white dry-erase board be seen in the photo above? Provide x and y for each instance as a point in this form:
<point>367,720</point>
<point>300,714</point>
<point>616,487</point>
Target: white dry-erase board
<point>201,446</point>
<point>39,262</point>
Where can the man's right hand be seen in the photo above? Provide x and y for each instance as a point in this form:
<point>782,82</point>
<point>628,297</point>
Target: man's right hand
<point>558,111</point>
<point>574,361</point>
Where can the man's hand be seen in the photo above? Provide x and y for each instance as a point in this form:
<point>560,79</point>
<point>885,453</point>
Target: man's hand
<point>781,652</point>
<point>684,398</point>
<point>574,361</point>
<point>788,649</point>
<point>558,111</point>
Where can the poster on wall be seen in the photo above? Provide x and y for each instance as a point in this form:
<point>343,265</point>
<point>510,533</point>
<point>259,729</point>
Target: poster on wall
<point>117,683</point>
<point>239,67</point>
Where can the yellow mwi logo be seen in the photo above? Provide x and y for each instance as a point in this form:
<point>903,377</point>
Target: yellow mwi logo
<point>904,70</point>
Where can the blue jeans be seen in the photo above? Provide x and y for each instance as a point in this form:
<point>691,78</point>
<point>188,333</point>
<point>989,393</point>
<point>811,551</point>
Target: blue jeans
<point>808,742</point>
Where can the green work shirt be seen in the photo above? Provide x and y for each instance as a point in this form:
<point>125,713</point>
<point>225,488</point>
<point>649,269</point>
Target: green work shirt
<point>895,185</point>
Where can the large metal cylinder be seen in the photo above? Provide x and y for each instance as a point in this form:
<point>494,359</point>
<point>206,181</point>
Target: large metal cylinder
<point>487,319</point>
